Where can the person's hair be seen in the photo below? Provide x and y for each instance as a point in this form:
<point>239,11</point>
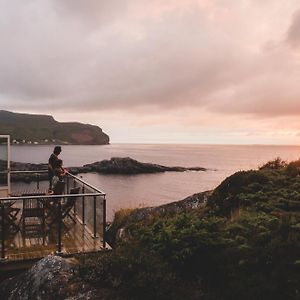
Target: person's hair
<point>57,149</point>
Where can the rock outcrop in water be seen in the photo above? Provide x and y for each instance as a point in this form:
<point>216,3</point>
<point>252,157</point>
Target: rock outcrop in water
<point>116,165</point>
<point>24,177</point>
<point>127,165</point>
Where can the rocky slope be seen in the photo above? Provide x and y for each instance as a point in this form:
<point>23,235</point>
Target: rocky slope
<point>120,228</point>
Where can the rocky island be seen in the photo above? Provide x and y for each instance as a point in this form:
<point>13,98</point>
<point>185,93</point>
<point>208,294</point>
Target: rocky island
<point>115,165</point>
<point>128,166</point>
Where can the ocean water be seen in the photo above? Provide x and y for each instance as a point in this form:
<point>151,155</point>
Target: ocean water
<point>129,191</point>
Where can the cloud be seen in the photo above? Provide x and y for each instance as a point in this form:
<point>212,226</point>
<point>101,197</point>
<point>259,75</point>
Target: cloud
<point>213,57</point>
<point>293,33</point>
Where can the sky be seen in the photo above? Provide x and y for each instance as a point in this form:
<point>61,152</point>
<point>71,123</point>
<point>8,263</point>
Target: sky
<point>159,71</point>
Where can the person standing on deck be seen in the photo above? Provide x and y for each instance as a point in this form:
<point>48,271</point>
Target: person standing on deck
<point>53,163</point>
<point>58,174</point>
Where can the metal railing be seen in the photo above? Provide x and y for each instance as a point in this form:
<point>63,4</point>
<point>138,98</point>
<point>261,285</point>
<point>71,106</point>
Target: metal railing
<point>89,206</point>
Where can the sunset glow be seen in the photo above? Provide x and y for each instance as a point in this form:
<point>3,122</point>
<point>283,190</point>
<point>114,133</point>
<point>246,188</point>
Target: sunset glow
<point>224,72</point>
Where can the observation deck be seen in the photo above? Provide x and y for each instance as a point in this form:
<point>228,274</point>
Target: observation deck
<point>34,223</point>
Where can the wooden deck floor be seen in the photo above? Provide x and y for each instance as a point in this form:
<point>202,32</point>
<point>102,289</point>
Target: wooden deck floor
<point>22,247</point>
<point>76,238</point>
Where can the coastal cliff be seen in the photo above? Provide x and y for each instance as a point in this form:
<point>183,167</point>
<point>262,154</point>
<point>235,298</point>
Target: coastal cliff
<point>44,129</point>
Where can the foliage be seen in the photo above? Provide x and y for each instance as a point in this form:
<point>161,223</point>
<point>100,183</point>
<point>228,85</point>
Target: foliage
<point>275,164</point>
<point>132,272</point>
<point>245,244</point>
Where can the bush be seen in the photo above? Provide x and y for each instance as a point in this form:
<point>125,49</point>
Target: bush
<point>275,164</point>
<point>245,244</point>
<point>134,272</point>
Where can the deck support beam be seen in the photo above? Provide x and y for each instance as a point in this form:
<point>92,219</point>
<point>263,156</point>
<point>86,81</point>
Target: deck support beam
<point>95,218</point>
<point>83,207</point>
<point>2,233</point>
<point>59,226</point>
<point>104,222</point>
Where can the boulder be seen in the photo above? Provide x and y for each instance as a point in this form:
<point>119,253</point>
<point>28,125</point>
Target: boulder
<point>52,277</point>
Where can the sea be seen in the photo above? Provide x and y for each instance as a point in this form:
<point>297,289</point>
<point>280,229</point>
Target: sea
<point>143,190</point>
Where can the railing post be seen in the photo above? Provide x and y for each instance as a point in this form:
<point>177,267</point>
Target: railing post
<point>2,232</point>
<point>68,184</point>
<point>38,181</point>
<point>95,219</point>
<point>104,222</point>
<point>59,225</point>
<point>83,207</point>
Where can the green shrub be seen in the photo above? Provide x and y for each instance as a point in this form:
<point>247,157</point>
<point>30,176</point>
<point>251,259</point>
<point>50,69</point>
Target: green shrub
<point>275,164</point>
<point>245,244</point>
<point>133,272</point>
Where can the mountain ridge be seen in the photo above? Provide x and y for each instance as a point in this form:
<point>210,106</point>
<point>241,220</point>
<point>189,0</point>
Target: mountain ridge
<point>44,129</point>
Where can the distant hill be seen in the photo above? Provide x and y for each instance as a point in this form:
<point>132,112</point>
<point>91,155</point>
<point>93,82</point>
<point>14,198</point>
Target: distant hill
<point>44,129</point>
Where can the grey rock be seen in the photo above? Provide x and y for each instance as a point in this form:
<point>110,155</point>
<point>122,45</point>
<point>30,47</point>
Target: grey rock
<point>52,277</point>
<point>121,232</point>
<point>127,165</point>
<point>115,165</point>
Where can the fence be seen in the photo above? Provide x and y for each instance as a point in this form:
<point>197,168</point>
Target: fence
<point>84,206</point>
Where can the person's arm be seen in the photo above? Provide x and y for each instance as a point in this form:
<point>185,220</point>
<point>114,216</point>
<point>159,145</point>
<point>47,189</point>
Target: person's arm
<point>63,171</point>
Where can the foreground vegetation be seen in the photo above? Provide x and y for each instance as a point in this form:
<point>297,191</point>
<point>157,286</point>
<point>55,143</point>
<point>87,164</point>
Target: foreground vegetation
<point>244,244</point>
